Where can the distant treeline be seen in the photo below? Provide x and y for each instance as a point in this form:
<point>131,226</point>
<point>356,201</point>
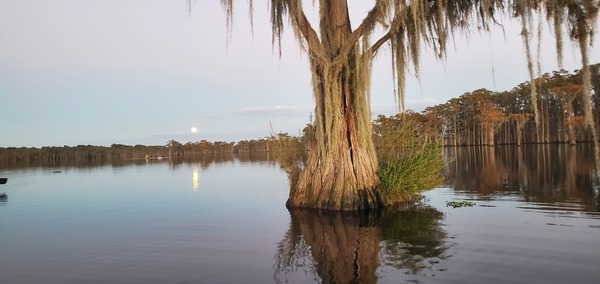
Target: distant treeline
<point>119,151</point>
<point>483,117</point>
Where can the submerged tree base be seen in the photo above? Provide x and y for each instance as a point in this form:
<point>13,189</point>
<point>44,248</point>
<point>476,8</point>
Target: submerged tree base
<point>363,200</point>
<point>334,185</point>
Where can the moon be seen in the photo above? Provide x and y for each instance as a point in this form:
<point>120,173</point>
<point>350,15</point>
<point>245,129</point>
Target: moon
<point>194,129</point>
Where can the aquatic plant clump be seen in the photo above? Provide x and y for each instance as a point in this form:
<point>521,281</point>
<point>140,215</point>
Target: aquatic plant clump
<point>405,178</point>
<point>410,161</point>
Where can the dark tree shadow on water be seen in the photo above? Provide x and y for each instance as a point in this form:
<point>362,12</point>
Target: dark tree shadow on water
<point>344,247</point>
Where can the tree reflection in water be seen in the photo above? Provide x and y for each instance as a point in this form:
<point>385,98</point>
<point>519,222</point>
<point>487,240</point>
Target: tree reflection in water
<point>344,247</point>
<point>532,173</point>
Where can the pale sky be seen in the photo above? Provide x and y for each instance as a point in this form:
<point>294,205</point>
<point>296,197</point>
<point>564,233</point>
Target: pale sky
<point>146,71</point>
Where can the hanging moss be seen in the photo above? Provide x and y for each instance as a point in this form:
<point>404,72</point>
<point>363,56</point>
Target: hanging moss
<point>526,22</point>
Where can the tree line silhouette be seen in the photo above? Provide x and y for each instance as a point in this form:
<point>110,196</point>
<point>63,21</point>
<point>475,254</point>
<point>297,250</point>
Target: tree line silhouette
<point>120,151</point>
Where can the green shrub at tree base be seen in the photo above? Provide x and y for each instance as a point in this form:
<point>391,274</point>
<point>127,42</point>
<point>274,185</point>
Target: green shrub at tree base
<point>406,177</point>
<point>410,161</point>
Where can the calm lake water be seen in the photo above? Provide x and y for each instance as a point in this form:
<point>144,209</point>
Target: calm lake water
<point>223,220</point>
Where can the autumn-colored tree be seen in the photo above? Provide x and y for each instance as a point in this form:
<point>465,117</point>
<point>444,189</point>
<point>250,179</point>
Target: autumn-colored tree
<point>519,119</point>
<point>517,108</point>
<point>567,94</point>
<point>433,123</point>
<point>175,148</point>
<point>487,114</point>
<point>471,118</point>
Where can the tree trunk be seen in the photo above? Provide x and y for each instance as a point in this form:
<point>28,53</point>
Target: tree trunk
<point>341,169</point>
<point>490,134</point>
<point>571,132</point>
<point>519,134</point>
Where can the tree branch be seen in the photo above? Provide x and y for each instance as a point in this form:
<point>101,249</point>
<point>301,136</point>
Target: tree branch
<point>394,26</point>
<point>366,23</point>
<point>310,35</point>
<point>380,42</point>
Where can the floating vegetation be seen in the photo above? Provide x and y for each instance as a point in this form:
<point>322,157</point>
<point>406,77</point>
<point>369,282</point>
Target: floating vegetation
<point>457,204</point>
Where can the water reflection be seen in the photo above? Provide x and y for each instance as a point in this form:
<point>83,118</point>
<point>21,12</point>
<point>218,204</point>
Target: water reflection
<point>204,161</point>
<point>533,173</point>
<point>413,239</point>
<point>262,158</point>
<point>195,184</point>
<point>336,247</point>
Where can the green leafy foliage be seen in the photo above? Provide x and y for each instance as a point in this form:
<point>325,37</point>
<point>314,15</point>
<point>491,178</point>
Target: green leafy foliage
<point>409,175</point>
<point>410,162</point>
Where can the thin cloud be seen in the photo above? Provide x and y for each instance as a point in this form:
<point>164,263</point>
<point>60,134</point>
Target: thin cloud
<point>415,105</point>
<point>274,110</point>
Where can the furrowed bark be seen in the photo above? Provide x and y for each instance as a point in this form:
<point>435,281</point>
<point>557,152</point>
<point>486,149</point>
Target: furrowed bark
<point>341,170</point>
